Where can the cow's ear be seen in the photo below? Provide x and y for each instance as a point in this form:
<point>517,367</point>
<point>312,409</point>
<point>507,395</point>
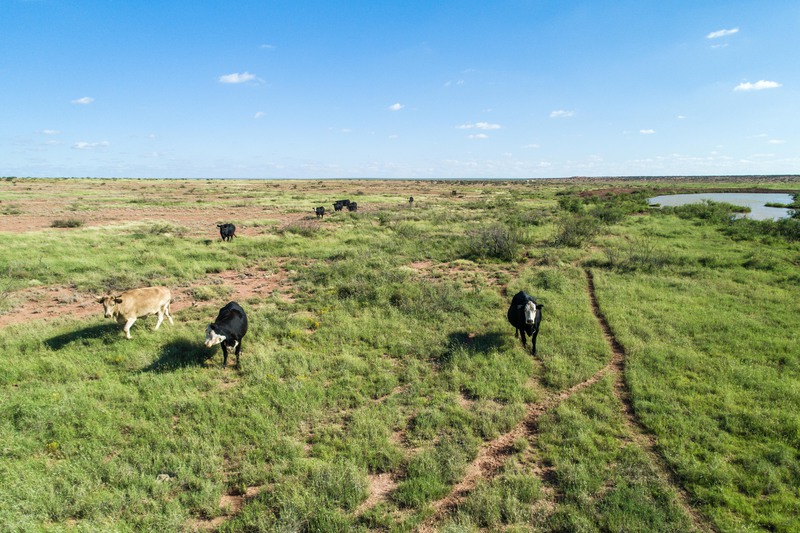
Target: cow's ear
<point>539,305</point>
<point>117,300</point>
<point>99,299</point>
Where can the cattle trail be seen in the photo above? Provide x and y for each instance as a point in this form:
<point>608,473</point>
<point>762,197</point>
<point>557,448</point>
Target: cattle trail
<point>492,455</point>
<point>636,429</point>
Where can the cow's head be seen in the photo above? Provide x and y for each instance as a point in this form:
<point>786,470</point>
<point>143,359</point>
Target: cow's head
<point>109,303</point>
<point>212,337</point>
<point>530,312</point>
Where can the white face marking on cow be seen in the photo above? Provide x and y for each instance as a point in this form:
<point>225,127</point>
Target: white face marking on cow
<point>530,312</point>
<point>212,337</point>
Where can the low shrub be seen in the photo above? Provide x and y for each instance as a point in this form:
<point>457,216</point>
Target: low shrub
<point>497,241</point>
<point>67,223</point>
<point>574,231</point>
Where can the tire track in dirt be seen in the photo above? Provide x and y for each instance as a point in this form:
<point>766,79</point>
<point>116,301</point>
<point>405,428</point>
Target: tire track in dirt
<point>492,455</point>
<point>637,430</point>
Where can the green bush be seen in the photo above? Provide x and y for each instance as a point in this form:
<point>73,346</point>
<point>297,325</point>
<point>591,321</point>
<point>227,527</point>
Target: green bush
<point>67,223</point>
<point>497,241</point>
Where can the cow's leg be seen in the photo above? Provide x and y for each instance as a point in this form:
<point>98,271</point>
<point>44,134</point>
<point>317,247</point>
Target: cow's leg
<point>238,349</point>
<point>516,333</point>
<point>169,316</point>
<point>127,328</point>
<point>224,354</point>
<point>160,319</point>
<point>524,340</point>
<point>533,341</point>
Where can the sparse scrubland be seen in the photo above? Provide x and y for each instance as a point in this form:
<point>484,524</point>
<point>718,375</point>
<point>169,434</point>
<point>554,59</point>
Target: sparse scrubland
<point>386,391</point>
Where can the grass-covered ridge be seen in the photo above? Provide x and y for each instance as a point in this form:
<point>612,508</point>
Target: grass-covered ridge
<point>391,358</point>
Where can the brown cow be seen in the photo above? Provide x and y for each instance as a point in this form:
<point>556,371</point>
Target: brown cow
<point>135,303</point>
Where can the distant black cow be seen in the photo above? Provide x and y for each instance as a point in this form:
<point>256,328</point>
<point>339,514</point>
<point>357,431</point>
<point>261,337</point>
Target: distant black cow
<point>320,211</point>
<point>338,205</point>
<point>410,200</point>
<point>525,314</point>
<point>352,206</point>
<point>227,231</point>
<point>228,329</point>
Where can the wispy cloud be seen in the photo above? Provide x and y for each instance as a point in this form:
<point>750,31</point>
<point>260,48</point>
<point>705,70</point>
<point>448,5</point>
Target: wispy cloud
<point>757,86</point>
<point>561,113</point>
<point>83,145</point>
<point>647,132</point>
<point>396,107</point>
<point>721,33</point>
<point>259,114</point>
<point>448,83</point>
<point>268,47</point>
<point>86,100</point>
<point>51,132</point>
<point>479,126</point>
<point>478,136</point>
<point>533,146</point>
<point>237,77</point>
<point>776,141</point>
<point>681,117</point>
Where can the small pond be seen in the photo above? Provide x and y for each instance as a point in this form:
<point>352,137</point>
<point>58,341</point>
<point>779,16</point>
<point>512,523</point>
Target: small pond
<point>755,201</point>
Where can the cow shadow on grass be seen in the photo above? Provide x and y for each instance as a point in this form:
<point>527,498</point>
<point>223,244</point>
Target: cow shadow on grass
<point>109,331</point>
<point>180,354</point>
<point>471,343</point>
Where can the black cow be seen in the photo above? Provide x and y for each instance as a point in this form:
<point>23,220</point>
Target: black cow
<point>338,205</point>
<point>320,211</point>
<point>227,231</point>
<point>228,329</point>
<point>525,314</point>
<point>410,200</point>
<point>352,206</point>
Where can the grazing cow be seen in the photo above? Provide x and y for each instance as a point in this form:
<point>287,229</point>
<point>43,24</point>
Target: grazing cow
<point>130,305</point>
<point>320,211</point>
<point>338,205</point>
<point>352,206</point>
<point>410,200</point>
<point>227,231</point>
<point>525,314</point>
<point>228,329</point>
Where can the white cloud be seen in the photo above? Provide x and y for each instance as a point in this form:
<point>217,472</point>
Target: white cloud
<point>533,146</point>
<point>83,145</point>
<point>346,130</point>
<point>478,136</point>
<point>561,113</point>
<point>451,82</point>
<point>51,132</point>
<point>259,114</point>
<point>268,47</point>
<point>721,33</point>
<point>237,78</point>
<point>647,132</point>
<point>479,126</point>
<point>396,107</point>
<point>776,141</point>
<point>757,86</point>
<point>681,117</point>
<point>84,101</point>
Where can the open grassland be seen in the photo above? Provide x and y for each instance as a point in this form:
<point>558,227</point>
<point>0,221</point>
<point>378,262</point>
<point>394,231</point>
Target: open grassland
<point>381,387</point>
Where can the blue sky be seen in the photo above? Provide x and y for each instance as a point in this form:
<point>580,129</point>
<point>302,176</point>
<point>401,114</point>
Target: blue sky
<point>414,89</point>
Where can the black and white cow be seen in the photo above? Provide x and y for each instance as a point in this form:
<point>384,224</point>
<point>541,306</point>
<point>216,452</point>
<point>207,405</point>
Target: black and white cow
<point>227,231</point>
<point>320,211</point>
<point>228,329</point>
<point>525,314</point>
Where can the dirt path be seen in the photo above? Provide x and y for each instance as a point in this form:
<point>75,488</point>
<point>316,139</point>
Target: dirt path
<point>636,429</point>
<point>492,455</point>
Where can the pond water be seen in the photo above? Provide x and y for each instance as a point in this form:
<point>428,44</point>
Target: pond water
<point>755,201</point>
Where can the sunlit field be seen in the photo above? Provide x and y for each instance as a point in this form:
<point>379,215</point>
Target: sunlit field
<point>380,385</point>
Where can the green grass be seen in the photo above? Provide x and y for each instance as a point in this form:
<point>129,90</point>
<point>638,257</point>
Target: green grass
<point>394,356</point>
